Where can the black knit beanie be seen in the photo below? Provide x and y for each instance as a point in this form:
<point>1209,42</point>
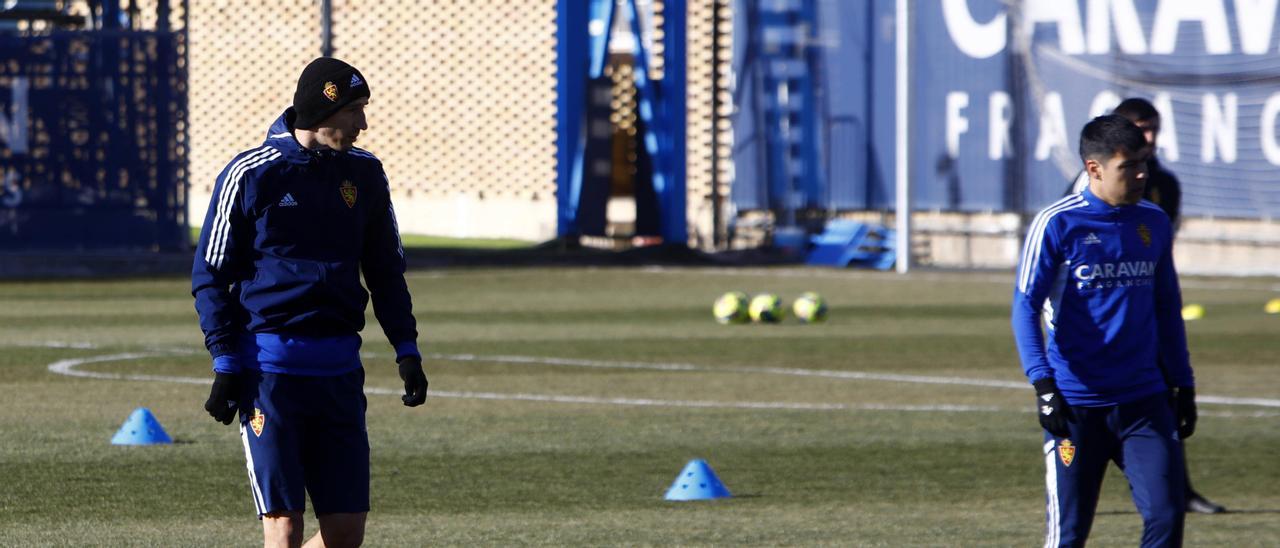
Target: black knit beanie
<point>326,85</point>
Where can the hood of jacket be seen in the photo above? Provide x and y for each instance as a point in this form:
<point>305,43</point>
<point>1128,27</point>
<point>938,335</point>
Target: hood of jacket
<point>280,136</point>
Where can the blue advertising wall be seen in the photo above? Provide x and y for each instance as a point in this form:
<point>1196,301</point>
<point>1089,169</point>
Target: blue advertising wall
<point>999,92</point>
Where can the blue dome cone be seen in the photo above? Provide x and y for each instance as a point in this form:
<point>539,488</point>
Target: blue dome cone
<point>697,482</point>
<point>141,428</point>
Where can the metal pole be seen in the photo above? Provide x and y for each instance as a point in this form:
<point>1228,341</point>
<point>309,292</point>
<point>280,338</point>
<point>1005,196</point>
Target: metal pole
<point>572,63</point>
<point>165,114</point>
<point>111,14</point>
<point>1015,73</point>
<point>326,28</point>
<point>676,114</point>
<point>717,200</point>
<point>186,117</point>
<point>162,16</point>
<point>901,157</point>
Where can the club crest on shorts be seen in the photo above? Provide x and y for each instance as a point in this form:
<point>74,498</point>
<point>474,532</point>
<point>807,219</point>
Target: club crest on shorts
<point>1145,234</point>
<point>257,422</point>
<point>348,191</point>
<point>331,91</point>
<point>1066,452</point>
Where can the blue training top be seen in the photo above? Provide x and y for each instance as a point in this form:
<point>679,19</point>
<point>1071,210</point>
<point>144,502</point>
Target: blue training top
<point>1103,281</point>
<point>276,275</point>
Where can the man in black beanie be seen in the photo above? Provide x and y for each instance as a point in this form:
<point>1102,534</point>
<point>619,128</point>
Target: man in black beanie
<point>328,105</point>
<point>291,226</point>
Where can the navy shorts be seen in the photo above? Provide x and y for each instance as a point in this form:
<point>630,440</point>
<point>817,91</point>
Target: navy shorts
<point>306,435</point>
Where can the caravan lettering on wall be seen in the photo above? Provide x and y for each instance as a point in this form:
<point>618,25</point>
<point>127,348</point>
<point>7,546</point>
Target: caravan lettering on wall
<point>1093,35</point>
<point>1091,30</point>
<point>1001,90</point>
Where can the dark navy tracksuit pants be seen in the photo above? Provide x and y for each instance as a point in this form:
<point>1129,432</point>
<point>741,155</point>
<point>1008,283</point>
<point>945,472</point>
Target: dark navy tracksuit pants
<point>1141,438</point>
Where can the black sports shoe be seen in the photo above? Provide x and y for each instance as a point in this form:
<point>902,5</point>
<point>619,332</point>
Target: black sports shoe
<point>1200,505</point>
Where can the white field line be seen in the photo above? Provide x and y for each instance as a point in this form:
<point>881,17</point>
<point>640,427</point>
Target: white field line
<point>857,375</point>
<point>647,402</point>
<point>1221,285</point>
<point>1235,414</point>
<point>990,278</point>
<point>55,344</point>
<point>68,367</point>
<point>1260,402</point>
<point>823,373</point>
<point>833,273</point>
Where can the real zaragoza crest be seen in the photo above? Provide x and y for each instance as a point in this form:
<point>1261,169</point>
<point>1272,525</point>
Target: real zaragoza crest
<point>257,422</point>
<point>1066,452</point>
<point>331,91</point>
<point>348,191</point>
<point>1145,234</point>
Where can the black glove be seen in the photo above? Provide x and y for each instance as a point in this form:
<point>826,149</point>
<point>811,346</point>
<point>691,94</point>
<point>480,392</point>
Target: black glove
<point>221,404</point>
<point>415,381</point>
<point>1185,408</point>
<point>1052,408</point>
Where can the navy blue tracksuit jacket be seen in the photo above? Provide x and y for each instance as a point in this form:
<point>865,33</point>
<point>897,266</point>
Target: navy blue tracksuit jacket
<point>276,275</point>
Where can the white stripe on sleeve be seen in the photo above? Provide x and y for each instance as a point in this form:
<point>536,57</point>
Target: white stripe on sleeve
<point>225,197</point>
<point>1082,182</point>
<point>1037,229</point>
<point>214,254</point>
<point>1035,237</point>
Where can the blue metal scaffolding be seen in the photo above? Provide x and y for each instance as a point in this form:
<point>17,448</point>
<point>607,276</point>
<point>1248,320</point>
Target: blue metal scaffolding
<point>584,30</point>
<point>778,87</point>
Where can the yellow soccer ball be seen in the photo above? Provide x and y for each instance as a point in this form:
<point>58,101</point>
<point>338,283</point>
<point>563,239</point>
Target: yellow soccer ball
<point>766,308</point>
<point>731,308</point>
<point>810,308</point>
<point>1272,307</point>
<point>1192,312</point>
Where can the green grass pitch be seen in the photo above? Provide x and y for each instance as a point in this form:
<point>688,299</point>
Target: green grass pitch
<point>565,401</point>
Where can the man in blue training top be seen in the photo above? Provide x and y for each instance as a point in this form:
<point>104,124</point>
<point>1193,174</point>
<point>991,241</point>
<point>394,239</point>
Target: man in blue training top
<point>291,226</point>
<point>1164,190</point>
<point>1097,268</point>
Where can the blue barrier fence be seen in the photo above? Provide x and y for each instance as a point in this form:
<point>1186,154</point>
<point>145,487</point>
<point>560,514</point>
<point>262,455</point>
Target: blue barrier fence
<point>93,148</point>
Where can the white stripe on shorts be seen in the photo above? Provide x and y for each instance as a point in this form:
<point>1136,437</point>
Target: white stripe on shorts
<point>1053,526</point>
<point>253,477</point>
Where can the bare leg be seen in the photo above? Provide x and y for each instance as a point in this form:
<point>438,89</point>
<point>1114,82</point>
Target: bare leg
<point>282,530</point>
<point>339,531</point>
